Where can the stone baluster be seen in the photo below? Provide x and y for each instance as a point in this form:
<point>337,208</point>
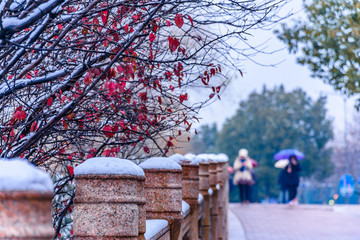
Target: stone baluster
<point>215,204</point>
<point>163,192</point>
<point>109,200</point>
<point>25,208</point>
<point>190,182</point>
<point>204,190</point>
<point>221,197</point>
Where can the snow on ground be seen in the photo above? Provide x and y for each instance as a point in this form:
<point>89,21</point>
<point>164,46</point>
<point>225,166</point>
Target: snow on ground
<point>160,163</point>
<point>154,226</point>
<point>20,175</point>
<point>108,165</point>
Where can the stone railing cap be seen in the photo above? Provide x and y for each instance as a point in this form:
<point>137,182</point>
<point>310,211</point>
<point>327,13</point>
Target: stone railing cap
<point>208,157</point>
<point>20,175</point>
<point>108,166</point>
<point>188,159</point>
<point>160,163</point>
<point>178,158</point>
<point>190,156</point>
<point>222,157</point>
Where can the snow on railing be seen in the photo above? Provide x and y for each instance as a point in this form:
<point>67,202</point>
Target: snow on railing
<point>162,198</point>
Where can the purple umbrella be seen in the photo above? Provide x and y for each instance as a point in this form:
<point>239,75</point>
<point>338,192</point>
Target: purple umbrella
<point>286,153</point>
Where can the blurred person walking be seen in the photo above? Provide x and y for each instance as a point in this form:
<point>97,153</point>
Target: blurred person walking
<point>243,166</point>
<point>292,178</point>
<point>283,186</point>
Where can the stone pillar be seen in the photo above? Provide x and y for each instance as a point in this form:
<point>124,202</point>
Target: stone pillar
<point>190,192</point>
<point>204,185</point>
<point>109,201</point>
<point>220,175</point>
<point>215,204</point>
<point>25,201</point>
<point>223,194</point>
<point>226,189</point>
<point>163,192</point>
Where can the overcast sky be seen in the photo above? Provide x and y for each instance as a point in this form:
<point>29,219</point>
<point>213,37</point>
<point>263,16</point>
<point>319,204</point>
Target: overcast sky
<point>288,73</point>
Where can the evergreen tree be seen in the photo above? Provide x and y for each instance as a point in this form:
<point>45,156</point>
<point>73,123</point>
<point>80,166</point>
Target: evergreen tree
<point>273,120</point>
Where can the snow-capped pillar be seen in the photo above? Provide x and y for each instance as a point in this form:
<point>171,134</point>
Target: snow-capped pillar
<point>26,193</point>
<point>225,160</point>
<point>204,190</point>
<point>221,180</point>
<point>109,200</point>
<point>190,190</point>
<point>215,204</point>
<point>163,192</point>
<point>190,182</point>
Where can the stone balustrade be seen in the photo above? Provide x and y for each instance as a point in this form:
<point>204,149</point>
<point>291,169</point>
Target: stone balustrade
<point>181,197</point>
<point>25,201</point>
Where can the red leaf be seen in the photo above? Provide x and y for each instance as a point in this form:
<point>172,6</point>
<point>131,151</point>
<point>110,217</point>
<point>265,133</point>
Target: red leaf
<point>108,131</point>
<point>146,149</point>
<point>211,95</point>
<point>204,82</point>
<point>152,37</point>
<point>104,16</point>
<point>173,44</point>
<point>135,17</point>
<point>70,170</point>
<point>179,20</point>
<point>241,73</point>
<point>169,144</point>
<point>60,26</point>
<point>66,126</point>
<point>33,127</point>
<point>126,28</point>
<point>22,115</point>
<point>49,101</point>
<point>192,23</point>
<point>218,89</point>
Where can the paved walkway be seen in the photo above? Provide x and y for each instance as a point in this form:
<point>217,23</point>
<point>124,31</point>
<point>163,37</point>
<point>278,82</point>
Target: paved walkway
<point>305,222</point>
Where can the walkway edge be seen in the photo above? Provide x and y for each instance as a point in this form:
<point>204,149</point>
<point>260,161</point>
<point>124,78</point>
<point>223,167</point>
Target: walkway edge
<point>236,230</point>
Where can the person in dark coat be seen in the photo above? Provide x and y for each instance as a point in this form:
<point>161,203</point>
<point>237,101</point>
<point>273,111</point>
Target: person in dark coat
<point>292,177</point>
<point>282,184</point>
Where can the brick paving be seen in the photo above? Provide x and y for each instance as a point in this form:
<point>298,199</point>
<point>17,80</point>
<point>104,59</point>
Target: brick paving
<point>305,222</point>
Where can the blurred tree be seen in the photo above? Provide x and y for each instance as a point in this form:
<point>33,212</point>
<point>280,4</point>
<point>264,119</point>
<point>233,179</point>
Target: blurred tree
<point>329,40</point>
<point>273,120</point>
<point>204,140</point>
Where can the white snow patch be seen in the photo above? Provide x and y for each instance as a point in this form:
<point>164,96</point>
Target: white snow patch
<point>190,156</point>
<point>217,186</point>
<point>185,208</point>
<point>20,175</point>
<point>154,226</point>
<point>197,160</point>
<point>177,158</point>
<point>222,157</point>
<point>160,163</point>
<point>200,198</point>
<point>212,157</point>
<point>108,165</point>
<point>203,156</point>
<point>210,191</point>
